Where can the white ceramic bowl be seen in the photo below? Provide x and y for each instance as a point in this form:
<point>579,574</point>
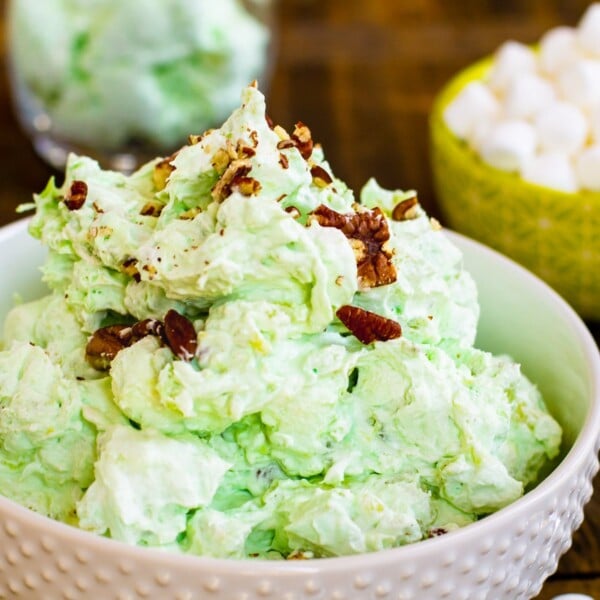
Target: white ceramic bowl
<point>505,556</point>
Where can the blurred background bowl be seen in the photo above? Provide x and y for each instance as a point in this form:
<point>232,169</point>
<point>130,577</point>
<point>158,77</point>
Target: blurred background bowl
<point>554,234</point>
<point>506,556</point>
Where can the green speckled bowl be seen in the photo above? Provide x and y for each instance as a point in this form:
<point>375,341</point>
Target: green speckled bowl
<point>554,234</point>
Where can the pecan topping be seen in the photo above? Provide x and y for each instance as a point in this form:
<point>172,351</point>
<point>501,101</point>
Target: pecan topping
<point>406,209</point>
<point>150,269</point>
<point>177,332</point>
<point>303,139</point>
<point>129,267</point>
<point>282,134</point>
<point>180,335</point>
<point>76,195</point>
<point>283,160</point>
<point>105,344</point>
<point>367,326</point>
<point>162,171</point>
<point>153,208</point>
<point>245,151</point>
<point>285,144</point>
<point>146,327</point>
<point>190,213</point>
<point>221,161</point>
<point>437,531</point>
<point>236,170</point>
<point>321,178</point>
<point>194,138</point>
<point>368,233</point>
<point>269,121</point>
<point>247,186</point>
<point>292,210</point>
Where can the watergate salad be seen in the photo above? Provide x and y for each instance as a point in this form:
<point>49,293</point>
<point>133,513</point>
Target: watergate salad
<point>238,358</point>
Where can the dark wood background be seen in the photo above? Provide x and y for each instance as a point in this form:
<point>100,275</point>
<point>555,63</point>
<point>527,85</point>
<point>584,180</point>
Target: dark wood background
<point>363,75</point>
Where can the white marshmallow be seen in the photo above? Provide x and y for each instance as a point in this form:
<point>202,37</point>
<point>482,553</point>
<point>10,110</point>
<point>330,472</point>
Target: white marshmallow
<point>552,170</point>
<point>480,134</point>
<point>473,105</point>
<point>510,61</point>
<point>561,127</point>
<point>509,145</point>
<point>580,82</point>
<point>528,95</point>
<point>558,49</point>
<point>587,168</point>
<point>588,30</point>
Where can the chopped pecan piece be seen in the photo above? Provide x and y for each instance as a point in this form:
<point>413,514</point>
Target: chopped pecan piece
<point>367,326</point>
<point>234,172</point>
<point>105,344</point>
<point>151,270</point>
<point>247,186</point>
<point>162,171</point>
<point>292,210</point>
<point>221,161</point>
<point>285,144</point>
<point>194,138</point>
<point>406,209</point>
<point>368,233</point>
<point>303,139</point>
<point>180,335</point>
<point>437,531</point>
<point>269,121</point>
<point>177,332</point>
<point>76,195</point>
<point>282,134</point>
<point>321,178</point>
<point>146,327</point>
<point>190,213</point>
<point>129,267</point>
<point>283,161</point>
<point>153,208</point>
<point>245,151</point>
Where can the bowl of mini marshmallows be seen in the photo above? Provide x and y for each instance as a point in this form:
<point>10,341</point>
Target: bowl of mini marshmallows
<point>516,156</point>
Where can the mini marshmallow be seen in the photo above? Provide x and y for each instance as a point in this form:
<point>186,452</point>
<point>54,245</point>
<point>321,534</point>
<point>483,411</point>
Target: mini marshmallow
<point>473,105</point>
<point>587,168</point>
<point>511,60</point>
<point>480,134</point>
<point>588,30</point>
<point>561,127</point>
<point>558,49</point>
<point>552,170</point>
<point>528,95</point>
<point>580,82</point>
<point>508,145</point>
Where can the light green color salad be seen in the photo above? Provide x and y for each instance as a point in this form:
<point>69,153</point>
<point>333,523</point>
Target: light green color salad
<point>111,73</point>
<point>239,359</point>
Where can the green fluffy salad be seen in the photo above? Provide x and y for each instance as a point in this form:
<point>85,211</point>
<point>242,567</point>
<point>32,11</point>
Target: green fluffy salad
<point>238,358</point>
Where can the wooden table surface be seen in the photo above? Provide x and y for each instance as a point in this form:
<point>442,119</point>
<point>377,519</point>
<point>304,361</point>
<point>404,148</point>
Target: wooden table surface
<point>363,74</point>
